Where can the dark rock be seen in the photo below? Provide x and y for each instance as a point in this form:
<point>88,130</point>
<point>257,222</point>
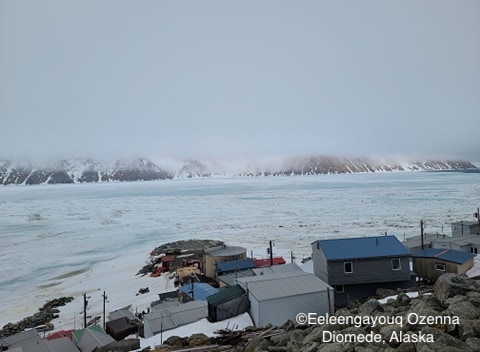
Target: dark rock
<point>463,308</point>
<point>442,342</point>
<point>385,292</point>
<point>295,340</point>
<point>257,344</point>
<point>196,340</point>
<point>370,306</point>
<point>120,346</point>
<point>473,344</point>
<point>336,347</point>
<point>59,177</point>
<point>89,176</point>
<point>406,347</point>
<point>450,285</point>
<point>403,299</point>
<point>174,341</point>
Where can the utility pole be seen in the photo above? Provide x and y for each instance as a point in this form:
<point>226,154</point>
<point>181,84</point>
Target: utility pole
<point>292,257</point>
<point>270,251</point>
<point>104,313</point>
<point>421,233</point>
<point>85,303</point>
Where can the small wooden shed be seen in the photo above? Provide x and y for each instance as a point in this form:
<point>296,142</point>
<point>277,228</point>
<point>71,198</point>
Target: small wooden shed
<point>430,263</point>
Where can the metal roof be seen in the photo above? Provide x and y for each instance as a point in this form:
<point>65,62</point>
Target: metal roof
<point>233,265</point>
<point>225,251</point>
<point>93,338</point>
<point>268,287</point>
<point>448,255</point>
<point>122,313</point>
<point>225,295</point>
<point>362,247</point>
<point>275,269</point>
<point>231,278</point>
<point>172,317</point>
<point>260,263</point>
<point>19,337</point>
<point>38,344</point>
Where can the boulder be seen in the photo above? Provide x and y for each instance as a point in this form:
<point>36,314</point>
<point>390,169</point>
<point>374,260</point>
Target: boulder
<point>198,340</point>
<point>370,306</point>
<point>451,285</point>
<point>442,342</point>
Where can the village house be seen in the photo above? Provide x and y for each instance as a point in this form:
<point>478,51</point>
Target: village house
<point>234,265</point>
<point>276,298</point>
<point>465,228</point>
<point>228,273</point>
<point>231,279</point>
<point>357,267</point>
<point>227,303</point>
<point>432,262</point>
<point>173,315</point>
<point>467,243</point>
<point>92,338</point>
<point>213,256</point>
<point>30,341</point>
<point>465,237</point>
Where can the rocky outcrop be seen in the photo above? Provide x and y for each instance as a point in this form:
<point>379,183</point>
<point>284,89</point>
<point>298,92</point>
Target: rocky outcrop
<point>193,247</point>
<point>44,316</point>
<point>88,170</point>
<point>448,319</point>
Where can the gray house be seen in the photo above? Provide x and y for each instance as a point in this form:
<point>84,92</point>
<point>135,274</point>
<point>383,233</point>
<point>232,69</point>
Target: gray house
<point>91,338</point>
<point>227,303</point>
<point>465,228</point>
<point>277,298</point>
<point>173,316</point>
<point>30,341</point>
<point>357,267</point>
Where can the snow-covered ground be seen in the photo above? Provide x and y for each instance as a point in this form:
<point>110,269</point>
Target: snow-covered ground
<point>121,286</point>
<point>117,278</point>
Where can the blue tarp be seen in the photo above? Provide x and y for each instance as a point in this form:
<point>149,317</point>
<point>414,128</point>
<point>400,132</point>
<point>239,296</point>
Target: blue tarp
<point>201,290</point>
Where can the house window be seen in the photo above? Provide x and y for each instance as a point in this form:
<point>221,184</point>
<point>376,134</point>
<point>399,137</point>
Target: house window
<point>474,250</point>
<point>396,264</point>
<point>348,267</point>
<point>339,289</point>
<point>440,267</point>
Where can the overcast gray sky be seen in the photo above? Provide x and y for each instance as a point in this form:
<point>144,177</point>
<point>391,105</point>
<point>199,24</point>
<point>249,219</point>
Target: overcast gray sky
<point>239,78</point>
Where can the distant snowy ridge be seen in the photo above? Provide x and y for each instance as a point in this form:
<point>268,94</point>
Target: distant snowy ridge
<point>90,170</point>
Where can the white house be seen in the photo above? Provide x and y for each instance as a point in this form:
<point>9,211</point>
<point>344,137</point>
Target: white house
<point>276,298</point>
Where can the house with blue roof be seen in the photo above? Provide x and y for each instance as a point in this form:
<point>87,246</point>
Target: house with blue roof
<point>431,263</point>
<point>357,267</point>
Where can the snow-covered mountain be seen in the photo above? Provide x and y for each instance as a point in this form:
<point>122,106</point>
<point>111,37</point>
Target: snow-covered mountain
<point>89,170</point>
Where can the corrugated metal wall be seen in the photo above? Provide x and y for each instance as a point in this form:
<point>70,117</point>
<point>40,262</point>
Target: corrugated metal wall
<point>278,311</point>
